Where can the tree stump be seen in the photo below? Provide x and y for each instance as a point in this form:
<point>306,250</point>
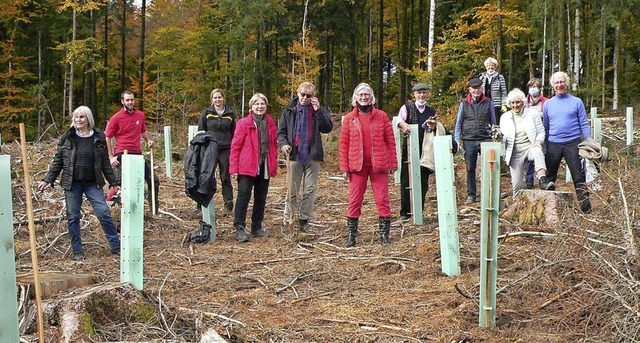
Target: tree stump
<point>538,208</point>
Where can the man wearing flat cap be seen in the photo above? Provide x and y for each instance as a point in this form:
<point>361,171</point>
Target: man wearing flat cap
<point>473,126</point>
<point>416,112</point>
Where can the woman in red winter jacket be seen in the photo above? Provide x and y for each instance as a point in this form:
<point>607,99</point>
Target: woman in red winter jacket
<point>367,151</point>
<point>253,161</point>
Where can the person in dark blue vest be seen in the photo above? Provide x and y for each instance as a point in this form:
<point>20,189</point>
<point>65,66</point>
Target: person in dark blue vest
<point>473,127</point>
<point>416,112</point>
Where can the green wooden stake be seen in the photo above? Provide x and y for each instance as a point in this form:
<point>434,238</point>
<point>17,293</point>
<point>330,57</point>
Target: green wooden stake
<point>413,150</point>
<point>629,126</point>
<point>167,151</point>
<point>447,209</point>
<point>594,114</point>
<point>132,221</point>
<point>597,129</point>
<point>398,137</point>
<point>489,207</point>
<point>8,290</point>
<point>209,217</point>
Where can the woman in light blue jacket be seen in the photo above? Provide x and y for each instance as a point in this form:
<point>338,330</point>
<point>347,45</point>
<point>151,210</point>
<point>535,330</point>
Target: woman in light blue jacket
<point>523,135</point>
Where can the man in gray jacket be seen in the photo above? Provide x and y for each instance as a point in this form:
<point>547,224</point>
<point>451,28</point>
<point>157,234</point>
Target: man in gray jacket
<point>299,129</point>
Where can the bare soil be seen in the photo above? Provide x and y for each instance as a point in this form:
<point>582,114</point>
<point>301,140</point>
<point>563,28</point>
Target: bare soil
<point>579,284</point>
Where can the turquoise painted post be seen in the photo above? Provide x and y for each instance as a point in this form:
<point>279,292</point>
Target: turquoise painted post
<point>594,114</point>
<point>447,209</point>
<point>489,207</point>
<point>209,217</point>
<point>398,138</point>
<point>9,304</point>
<point>597,129</point>
<point>413,154</point>
<point>629,126</point>
<point>193,130</point>
<point>167,151</point>
<point>132,221</point>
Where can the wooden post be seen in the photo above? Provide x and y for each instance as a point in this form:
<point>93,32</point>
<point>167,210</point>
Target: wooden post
<point>489,207</point>
<point>397,135</point>
<point>413,154</point>
<point>447,210</point>
<point>597,129</point>
<point>132,221</point>
<point>9,304</point>
<point>629,126</point>
<point>167,151</point>
<point>32,231</point>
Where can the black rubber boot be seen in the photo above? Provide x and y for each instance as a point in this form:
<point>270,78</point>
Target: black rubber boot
<point>384,224</point>
<point>546,185</point>
<point>352,225</point>
<point>240,235</point>
<point>583,198</point>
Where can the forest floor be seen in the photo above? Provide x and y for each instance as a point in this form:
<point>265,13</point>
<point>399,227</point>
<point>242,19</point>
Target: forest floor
<point>579,283</point>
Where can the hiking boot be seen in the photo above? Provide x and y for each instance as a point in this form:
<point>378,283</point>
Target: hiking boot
<point>304,226</point>
<point>470,200</point>
<point>240,235</point>
<point>546,185</point>
<point>115,252</point>
<point>78,256</point>
<point>259,233</point>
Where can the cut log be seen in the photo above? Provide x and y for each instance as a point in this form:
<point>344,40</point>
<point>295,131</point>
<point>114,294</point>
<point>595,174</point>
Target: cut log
<point>54,282</point>
<point>537,207</point>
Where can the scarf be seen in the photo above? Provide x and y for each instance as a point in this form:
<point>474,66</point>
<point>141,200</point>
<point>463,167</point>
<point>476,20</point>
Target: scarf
<point>263,137</point>
<point>303,133</point>
<point>80,134</point>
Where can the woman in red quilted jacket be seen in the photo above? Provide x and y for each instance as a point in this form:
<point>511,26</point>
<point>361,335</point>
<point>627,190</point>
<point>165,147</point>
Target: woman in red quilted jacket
<point>367,151</point>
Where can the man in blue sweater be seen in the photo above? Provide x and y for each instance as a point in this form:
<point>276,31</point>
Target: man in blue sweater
<point>565,124</point>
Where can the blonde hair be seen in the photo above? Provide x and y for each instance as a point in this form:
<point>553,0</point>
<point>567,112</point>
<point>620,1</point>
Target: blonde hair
<point>256,97</point>
<point>218,90</point>
<point>307,85</point>
<point>354,97</point>
<point>87,113</point>
<point>491,60</point>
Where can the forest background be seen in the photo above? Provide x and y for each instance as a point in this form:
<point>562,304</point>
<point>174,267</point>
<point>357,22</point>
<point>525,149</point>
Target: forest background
<point>58,54</point>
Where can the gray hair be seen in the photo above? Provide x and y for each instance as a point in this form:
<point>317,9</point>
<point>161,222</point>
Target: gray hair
<point>256,97</point>
<point>354,97</point>
<point>87,112</point>
<point>558,74</point>
<point>516,95</point>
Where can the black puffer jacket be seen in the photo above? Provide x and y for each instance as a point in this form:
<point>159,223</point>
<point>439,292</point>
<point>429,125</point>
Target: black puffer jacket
<point>221,126</point>
<point>199,168</point>
<point>65,159</point>
<point>287,127</point>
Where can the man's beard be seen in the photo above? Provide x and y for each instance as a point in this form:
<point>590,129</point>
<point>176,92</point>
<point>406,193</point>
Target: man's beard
<point>128,108</point>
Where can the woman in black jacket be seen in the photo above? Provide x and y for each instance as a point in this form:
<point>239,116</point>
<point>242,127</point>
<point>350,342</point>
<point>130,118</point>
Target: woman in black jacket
<point>220,120</point>
<point>84,162</point>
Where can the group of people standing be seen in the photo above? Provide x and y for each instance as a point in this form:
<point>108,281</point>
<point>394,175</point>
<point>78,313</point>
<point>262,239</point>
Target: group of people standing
<point>247,150</point>
<point>538,132</point>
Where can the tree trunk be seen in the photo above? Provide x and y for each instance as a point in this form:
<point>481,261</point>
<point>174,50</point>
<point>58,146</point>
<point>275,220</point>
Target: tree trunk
<point>432,17</point>
<point>544,45</point>
<point>143,30</point>
<point>603,47</point>
<point>381,54</point>
<point>576,50</point>
<point>71,61</point>
<point>616,59</point>
<point>499,38</point>
<point>562,37</point>
<point>105,67</point>
<point>123,35</point>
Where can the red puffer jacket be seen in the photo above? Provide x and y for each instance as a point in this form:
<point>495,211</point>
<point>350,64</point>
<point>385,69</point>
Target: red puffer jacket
<point>383,146</point>
<point>243,157</point>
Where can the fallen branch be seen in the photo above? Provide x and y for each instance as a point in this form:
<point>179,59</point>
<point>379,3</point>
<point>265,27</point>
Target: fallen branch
<point>287,286</point>
<point>557,297</point>
<point>402,265</point>
<point>545,234</point>
<point>628,235</point>
<point>170,215</point>
<point>212,315</point>
<point>368,324</point>
<point>312,297</point>
<point>38,221</point>
<point>164,321</point>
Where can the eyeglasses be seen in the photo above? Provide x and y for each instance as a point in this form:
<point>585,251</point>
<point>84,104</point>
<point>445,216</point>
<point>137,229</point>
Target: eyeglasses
<point>364,95</point>
<point>560,82</point>
<point>305,95</point>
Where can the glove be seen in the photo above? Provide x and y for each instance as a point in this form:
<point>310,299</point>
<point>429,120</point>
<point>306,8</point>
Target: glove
<point>496,134</point>
<point>504,108</point>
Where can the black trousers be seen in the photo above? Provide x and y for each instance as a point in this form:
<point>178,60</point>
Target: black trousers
<point>260,186</point>
<point>225,178</point>
<point>569,151</point>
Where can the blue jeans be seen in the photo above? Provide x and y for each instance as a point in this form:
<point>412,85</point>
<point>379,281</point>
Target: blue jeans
<point>471,151</point>
<point>95,195</point>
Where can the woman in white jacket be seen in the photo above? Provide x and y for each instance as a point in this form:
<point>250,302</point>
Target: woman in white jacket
<point>523,135</point>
